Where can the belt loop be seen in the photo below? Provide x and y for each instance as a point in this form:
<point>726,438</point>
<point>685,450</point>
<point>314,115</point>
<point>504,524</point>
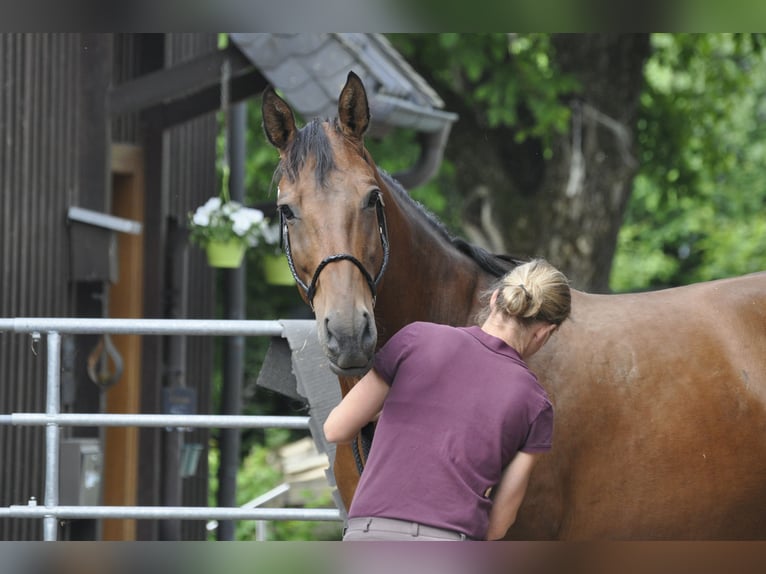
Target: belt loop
<point>462,536</point>
<point>367,526</point>
<point>414,529</point>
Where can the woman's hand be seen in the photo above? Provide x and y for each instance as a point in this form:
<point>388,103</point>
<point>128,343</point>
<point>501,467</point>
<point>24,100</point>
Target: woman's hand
<point>509,493</point>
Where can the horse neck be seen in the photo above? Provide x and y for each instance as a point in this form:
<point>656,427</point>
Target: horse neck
<point>427,278</point>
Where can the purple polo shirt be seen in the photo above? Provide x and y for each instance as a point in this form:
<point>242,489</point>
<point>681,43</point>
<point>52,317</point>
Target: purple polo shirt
<point>462,404</point>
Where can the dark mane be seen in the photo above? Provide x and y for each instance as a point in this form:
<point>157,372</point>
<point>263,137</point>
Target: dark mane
<point>310,140</point>
<point>494,264</point>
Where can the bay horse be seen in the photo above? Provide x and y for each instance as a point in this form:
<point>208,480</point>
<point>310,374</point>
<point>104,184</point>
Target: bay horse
<point>659,397</point>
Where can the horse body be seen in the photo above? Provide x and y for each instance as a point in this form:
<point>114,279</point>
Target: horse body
<point>660,402</point>
<point>660,398</point>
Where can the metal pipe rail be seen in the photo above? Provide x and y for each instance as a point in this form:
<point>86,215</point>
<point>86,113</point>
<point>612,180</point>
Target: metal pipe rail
<point>170,512</point>
<point>53,419</point>
<point>87,326</point>
<point>171,421</point>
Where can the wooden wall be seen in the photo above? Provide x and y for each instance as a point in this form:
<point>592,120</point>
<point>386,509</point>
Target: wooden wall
<point>48,164</point>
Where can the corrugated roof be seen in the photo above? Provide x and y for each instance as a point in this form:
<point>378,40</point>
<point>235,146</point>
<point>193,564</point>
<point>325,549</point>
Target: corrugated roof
<point>311,69</point>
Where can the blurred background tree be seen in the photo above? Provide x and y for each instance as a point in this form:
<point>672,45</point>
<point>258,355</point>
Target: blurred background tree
<point>697,208</point>
<point>543,155</point>
<point>630,160</point>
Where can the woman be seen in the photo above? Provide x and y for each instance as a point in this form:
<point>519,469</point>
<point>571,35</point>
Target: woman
<point>462,418</point>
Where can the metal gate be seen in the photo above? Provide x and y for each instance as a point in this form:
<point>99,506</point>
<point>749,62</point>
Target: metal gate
<point>53,419</point>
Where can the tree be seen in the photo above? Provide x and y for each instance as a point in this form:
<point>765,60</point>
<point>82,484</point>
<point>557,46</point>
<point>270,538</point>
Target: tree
<point>580,147</point>
<point>543,156</point>
<point>697,209</point>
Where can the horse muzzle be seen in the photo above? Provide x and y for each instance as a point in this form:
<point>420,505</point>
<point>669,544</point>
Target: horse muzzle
<point>349,344</point>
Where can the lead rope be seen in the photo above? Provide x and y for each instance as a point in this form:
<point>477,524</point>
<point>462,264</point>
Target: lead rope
<point>363,440</point>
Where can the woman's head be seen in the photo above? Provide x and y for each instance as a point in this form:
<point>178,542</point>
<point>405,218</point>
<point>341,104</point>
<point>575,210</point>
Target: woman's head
<point>534,291</point>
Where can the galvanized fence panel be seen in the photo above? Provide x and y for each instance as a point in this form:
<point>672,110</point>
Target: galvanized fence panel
<point>53,419</point>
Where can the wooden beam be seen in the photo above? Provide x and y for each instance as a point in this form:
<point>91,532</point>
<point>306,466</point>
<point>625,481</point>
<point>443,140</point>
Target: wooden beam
<point>209,100</point>
<point>182,80</point>
<point>94,131</point>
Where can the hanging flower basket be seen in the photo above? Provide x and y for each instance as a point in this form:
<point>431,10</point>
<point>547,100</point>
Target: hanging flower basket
<point>225,254</point>
<point>276,270</point>
<point>226,229</point>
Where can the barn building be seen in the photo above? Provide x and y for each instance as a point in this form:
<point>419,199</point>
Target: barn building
<point>107,142</point>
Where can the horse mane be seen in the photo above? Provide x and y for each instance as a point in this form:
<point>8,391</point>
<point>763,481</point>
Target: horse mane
<point>311,140</point>
<point>496,265</point>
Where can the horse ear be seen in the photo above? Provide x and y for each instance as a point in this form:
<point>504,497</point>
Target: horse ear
<point>353,109</point>
<point>278,119</point>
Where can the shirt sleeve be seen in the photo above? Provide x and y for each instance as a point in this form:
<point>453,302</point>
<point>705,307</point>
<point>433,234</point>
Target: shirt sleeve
<point>391,355</point>
<point>540,436</point>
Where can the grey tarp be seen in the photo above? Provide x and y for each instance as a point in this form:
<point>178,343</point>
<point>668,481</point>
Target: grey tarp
<point>296,366</point>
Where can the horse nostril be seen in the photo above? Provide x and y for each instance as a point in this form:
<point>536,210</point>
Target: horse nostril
<point>349,343</point>
<point>330,339</point>
<point>369,334</point>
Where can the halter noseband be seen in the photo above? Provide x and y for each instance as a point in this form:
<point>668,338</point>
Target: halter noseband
<point>310,289</point>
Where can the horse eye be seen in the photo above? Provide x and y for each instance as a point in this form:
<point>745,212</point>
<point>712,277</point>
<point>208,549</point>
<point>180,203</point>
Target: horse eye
<point>373,198</point>
<point>286,212</point>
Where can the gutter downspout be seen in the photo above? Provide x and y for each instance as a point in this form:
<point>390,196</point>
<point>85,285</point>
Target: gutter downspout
<point>432,145</point>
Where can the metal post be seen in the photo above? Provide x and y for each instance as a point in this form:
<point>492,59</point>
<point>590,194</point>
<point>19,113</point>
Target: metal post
<point>175,362</point>
<point>234,347</point>
<point>52,431</point>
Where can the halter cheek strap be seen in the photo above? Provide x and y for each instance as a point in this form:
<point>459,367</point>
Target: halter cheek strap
<point>311,288</point>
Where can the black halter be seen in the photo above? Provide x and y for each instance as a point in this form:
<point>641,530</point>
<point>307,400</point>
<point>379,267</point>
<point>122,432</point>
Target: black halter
<point>311,288</point>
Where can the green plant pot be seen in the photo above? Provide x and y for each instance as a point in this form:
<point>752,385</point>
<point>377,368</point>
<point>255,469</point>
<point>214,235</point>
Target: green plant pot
<point>276,270</point>
<point>227,255</point>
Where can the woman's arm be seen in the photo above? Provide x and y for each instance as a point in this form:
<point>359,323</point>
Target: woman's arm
<point>509,493</point>
<point>360,405</point>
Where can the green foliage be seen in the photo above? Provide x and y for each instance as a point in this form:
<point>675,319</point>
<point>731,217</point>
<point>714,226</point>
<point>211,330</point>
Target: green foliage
<point>697,205</point>
<point>502,80</point>
<point>505,79</point>
<point>697,208</point>
<point>257,475</point>
<point>398,151</point>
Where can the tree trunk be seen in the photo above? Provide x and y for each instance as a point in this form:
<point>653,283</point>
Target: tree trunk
<point>568,208</point>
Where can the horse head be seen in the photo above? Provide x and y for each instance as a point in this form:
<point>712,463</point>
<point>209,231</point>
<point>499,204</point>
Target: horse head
<point>333,225</point>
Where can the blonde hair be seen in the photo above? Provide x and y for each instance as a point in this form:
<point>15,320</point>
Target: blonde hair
<point>533,291</point>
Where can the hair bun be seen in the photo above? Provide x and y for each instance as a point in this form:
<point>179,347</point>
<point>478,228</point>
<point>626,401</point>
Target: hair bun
<point>535,291</point>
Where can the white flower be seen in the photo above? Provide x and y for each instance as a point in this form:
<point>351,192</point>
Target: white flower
<point>201,218</point>
<point>211,205</point>
<point>222,220</point>
<point>255,216</point>
<point>244,219</point>
<point>271,233</point>
<point>230,207</point>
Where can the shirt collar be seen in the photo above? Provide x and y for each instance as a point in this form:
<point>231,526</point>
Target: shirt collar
<point>493,343</point>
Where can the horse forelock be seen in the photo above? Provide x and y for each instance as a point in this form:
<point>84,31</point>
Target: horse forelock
<point>310,141</point>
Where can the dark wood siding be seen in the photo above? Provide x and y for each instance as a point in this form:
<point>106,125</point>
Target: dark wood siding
<point>40,107</point>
